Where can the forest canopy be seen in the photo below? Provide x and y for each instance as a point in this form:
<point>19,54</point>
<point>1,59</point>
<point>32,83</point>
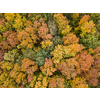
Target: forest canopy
<point>49,50</point>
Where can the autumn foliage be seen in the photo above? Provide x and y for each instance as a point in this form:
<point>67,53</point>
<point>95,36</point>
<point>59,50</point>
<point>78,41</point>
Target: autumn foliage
<point>49,50</point>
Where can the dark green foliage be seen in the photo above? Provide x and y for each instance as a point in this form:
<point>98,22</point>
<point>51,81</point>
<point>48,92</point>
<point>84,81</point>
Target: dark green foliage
<point>21,57</point>
<point>40,57</point>
<point>67,85</point>
<point>29,53</point>
<point>27,86</point>
<point>49,49</point>
<point>52,27</point>
<point>1,38</point>
<point>50,16</point>
<point>40,61</point>
<point>36,16</point>
<point>24,14</point>
<point>95,17</point>
<point>90,41</point>
<point>98,25</point>
<point>57,40</point>
<point>74,20</point>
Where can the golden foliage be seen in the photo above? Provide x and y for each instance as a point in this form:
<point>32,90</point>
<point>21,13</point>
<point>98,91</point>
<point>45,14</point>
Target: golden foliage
<point>6,65</point>
<point>70,39</point>
<point>27,37</point>
<point>42,81</point>
<point>46,43</point>
<point>87,28</point>
<point>84,19</point>
<point>62,23</point>
<point>78,83</point>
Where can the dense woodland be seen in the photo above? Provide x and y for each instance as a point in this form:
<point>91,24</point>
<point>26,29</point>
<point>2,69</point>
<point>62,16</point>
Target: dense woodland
<point>49,50</point>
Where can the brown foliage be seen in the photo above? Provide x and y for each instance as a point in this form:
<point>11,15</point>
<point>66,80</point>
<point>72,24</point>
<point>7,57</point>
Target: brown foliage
<point>70,68</point>
<point>2,21</point>
<point>85,61</point>
<point>97,58</point>
<point>56,82</point>
<point>2,54</point>
<point>28,66</point>
<point>17,75</point>
<point>43,30</point>
<point>92,76</point>
<point>48,68</point>
<point>52,83</point>
<point>11,40</point>
<point>97,53</point>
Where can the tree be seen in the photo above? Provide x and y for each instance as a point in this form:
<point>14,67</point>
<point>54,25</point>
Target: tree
<point>28,66</point>
<point>29,53</point>
<point>56,82</point>
<point>70,39</point>
<point>61,51</point>
<point>48,68</point>
<point>27,37</point>
<point>2,54</point>
<point>78,82</point>
<point>11,55</point>
<point>90,41</point>
<point>85,61</point>
<point>68,68</point>
<point>10,41</point>
<point>62,23</point>
<point>52,27</point>
<point>40,57</point>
